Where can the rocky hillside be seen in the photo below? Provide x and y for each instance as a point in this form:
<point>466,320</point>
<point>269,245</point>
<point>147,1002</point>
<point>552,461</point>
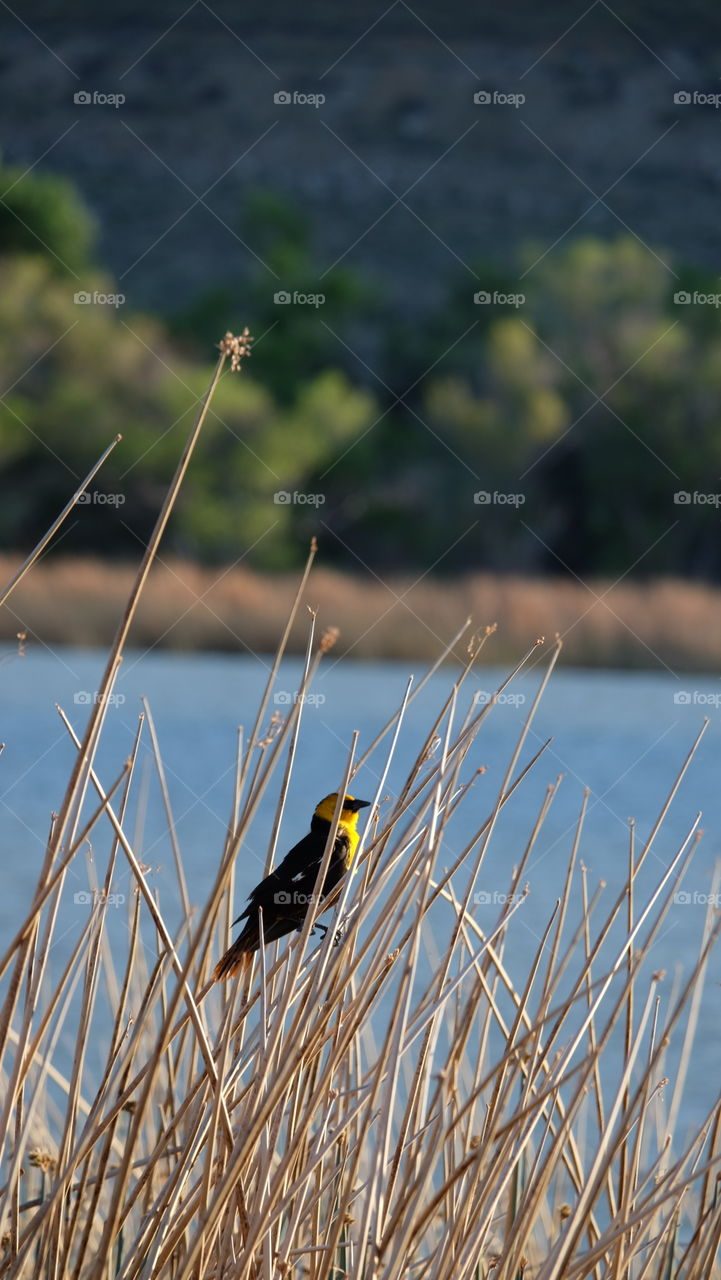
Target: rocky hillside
<point>420,141</point>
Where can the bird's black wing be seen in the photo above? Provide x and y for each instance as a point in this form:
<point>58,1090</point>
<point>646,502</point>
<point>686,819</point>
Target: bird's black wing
<point>296,873</point>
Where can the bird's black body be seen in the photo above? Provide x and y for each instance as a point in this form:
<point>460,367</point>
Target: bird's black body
<point>285,894</point>
<point>279,904</point>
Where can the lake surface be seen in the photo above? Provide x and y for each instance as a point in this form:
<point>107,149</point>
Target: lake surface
<point>623,736</point>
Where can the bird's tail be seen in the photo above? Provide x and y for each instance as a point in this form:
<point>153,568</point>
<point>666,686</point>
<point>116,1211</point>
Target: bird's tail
<point>239,954</point>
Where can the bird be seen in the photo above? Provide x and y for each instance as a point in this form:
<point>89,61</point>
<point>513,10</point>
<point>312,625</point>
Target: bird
<point>285,894</point>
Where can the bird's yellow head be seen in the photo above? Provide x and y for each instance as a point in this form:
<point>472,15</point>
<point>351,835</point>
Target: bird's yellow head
<point>348,814</point>
<point>347,821</point>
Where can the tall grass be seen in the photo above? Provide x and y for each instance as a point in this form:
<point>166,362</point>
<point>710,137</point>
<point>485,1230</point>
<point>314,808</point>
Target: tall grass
<point>76,600</point>
<point>397,1105</point>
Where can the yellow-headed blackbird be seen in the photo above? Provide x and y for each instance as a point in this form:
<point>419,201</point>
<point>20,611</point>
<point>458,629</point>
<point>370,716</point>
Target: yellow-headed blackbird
<point>284,895</point>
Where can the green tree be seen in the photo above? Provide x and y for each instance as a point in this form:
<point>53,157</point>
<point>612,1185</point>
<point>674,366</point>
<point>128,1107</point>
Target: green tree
<point>600,400</point>
<point>74,376</point>
<point>296,339</point>
<point>43,214</point>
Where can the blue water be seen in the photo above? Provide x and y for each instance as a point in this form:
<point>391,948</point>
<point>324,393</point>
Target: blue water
<point>623,736</point>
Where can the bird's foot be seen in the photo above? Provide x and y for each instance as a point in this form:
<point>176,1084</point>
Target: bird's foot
<point>324,929</point>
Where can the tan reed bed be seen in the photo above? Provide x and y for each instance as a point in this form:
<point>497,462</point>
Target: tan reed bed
<point>76,600</point>
<point>395,1106</point>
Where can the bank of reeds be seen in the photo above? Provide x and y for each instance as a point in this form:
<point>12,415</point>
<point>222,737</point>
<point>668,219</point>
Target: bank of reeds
<point>397,1105</point>
<point>77,600</point>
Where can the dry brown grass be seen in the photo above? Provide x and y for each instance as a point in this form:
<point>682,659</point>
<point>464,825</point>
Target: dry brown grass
<point>400,1104</point>
<point>184,606</point>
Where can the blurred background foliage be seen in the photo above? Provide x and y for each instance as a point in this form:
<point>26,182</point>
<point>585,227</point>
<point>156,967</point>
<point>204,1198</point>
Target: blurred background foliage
<point>596,400</point>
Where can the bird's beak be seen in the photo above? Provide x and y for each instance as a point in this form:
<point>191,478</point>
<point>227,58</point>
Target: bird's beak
<point>359,804</point>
